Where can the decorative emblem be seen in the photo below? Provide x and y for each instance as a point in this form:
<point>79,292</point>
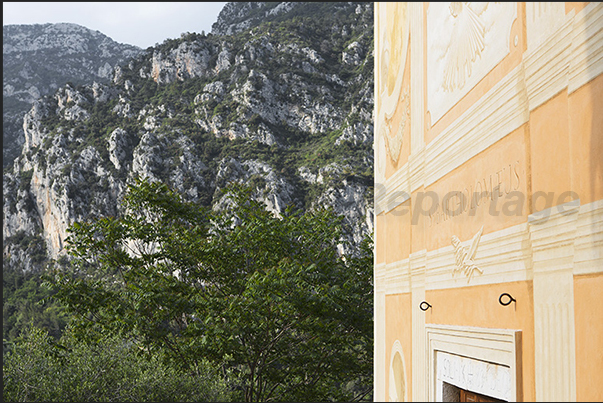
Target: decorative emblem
<point>466,43</point>
<point>393,145</point>
<point>391,102</point>
<point>463,257</point>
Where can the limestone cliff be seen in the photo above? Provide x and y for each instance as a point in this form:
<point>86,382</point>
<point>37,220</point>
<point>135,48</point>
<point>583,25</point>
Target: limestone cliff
<point>38,59</point>
<point>285,104</point>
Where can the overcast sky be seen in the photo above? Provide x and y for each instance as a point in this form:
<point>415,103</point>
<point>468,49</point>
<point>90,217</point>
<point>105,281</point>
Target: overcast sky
<point>140,24</point>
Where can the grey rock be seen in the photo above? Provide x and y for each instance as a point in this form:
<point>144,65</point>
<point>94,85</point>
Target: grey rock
<point>165,114</point>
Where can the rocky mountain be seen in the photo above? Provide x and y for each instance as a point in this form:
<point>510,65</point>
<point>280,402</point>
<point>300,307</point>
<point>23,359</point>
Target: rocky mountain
<point>38,59</point>
<point>279,96</point>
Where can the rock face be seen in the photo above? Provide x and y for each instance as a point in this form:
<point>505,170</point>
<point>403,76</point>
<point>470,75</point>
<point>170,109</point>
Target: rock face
<point>38,59</point>
<point>269,105</point>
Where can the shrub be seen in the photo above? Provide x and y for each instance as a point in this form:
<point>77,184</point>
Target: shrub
<point>39,369</point>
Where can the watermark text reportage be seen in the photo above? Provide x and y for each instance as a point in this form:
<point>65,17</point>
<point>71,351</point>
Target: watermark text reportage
<point>495,202</point>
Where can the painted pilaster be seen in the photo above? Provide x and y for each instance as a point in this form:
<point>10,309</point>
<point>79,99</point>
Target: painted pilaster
<point>417,146</point>
<point>417,141</point>
<point>552,234</point>
<point>419,348</point>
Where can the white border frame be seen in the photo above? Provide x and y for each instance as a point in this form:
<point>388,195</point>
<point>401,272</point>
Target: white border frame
<point>497,346</point>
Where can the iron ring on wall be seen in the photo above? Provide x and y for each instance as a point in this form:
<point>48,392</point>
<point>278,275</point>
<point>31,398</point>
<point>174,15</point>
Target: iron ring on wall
<point>500,299</point>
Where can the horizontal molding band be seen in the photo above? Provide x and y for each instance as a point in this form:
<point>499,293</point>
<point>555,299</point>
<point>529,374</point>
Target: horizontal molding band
<point>587,46</point>
<point>565,242</point>
<point>570,57</point>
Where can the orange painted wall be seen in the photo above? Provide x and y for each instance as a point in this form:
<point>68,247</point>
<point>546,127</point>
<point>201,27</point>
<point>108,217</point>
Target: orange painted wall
<point>380,238</point>
<point>418,224</point>
<point>586,140</point>
<point>588,316</point>
<point>398,326</point>
<point>559,149</point>
<point>506,162</point>
<point>397,233</point>
<point>575,5</point>
<point>478,306</point>
<point>550,151</point>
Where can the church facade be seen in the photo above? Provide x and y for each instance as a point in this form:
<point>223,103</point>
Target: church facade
<point>488,145</point>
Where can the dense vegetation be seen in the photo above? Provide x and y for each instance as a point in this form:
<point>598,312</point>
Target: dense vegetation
<point>42,369</point>
<point>279,314</point>
<point>25,301</point>
<point>267,302</point>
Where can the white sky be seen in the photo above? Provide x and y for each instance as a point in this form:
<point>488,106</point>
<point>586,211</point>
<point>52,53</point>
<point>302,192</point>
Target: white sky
<point>140,24</point>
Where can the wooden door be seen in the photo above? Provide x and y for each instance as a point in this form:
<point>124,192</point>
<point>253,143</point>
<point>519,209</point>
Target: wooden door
<point>467,396</point>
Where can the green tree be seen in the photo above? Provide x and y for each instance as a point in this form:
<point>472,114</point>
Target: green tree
<point>37,368</point>
<point>24,300</point>
<point>267,297</point>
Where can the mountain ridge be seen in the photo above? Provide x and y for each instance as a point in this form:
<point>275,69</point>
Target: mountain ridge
<point>39,58</point>
<point>285,105</point>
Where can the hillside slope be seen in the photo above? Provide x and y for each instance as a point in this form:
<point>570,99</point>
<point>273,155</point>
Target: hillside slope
<point>280,96</point>
<point>38,59</point>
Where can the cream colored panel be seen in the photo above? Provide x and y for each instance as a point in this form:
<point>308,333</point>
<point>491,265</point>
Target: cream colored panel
<point>587,46</point>
<point>465,40</point>
<point>552,235</point>
<point>563,50</point>
<point>542,18</point>
<point>588,244</point>
<point>397,277</point>
<point>547,66</point>
<point>379,348</point>
<point>392,40</point>
<point>378,154</point>
<point>379,272</point>
<point>378,269</point>
<point>379,144</point>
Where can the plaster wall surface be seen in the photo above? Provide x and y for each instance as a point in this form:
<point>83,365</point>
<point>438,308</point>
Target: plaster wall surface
<point>504,100</point>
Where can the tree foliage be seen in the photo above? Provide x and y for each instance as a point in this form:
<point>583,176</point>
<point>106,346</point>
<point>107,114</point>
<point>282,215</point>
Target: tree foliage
<point>39,369</point>
<point>25,301</point>
<point>269,298</point>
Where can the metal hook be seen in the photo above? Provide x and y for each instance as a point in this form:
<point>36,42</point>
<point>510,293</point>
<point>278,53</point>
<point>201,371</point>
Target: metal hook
<point>511,299</point>
<point>426,308</point>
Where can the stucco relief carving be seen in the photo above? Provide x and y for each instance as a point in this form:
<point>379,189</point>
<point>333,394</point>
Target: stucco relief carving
<point>474,375</point>
<point>463,256</point>
<point>465,41</point>
<point>397,374</point>
<point>392,102</point>
<point>393,145</point>
<point>466,44</point>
